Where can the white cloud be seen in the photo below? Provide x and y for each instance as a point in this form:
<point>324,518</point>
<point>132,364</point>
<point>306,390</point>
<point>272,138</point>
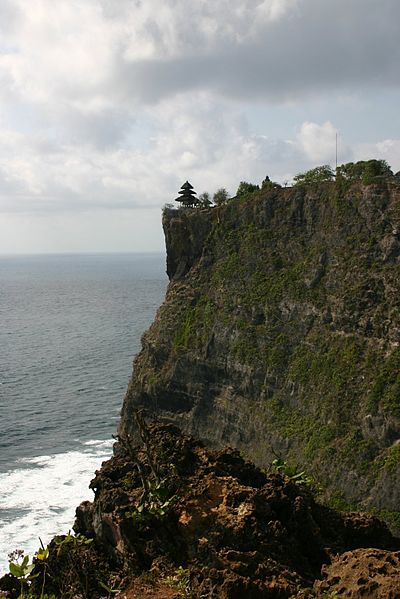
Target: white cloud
<point>95,56</point>
<point>70,51</point>
<point>318,142</point>
<point>387,149</point>
<point>108,106</point>
<point>202,140</point>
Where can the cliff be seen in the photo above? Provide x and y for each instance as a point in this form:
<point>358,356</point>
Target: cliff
<point>280,334</point>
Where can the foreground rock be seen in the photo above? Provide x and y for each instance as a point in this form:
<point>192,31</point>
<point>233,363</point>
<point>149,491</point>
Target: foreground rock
<point>172,518</point>
<point>367,573</point>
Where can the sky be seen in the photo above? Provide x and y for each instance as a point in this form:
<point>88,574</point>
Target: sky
<point>108,106</point>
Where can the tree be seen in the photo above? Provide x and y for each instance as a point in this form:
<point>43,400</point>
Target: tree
<point>246,188</point>
<point>268,184</point>
<point>205,200</point>
<point>367,171</point>
<point>221,196</point>
<point>319,174</point>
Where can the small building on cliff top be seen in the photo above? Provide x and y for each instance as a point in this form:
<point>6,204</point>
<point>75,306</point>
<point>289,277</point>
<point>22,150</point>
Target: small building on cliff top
<point>187,196</point>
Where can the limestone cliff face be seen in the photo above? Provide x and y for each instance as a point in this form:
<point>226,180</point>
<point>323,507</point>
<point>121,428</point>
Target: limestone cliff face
<point>280,333</point>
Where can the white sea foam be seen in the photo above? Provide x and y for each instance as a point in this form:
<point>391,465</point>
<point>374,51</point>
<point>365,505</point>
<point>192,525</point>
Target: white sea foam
<point>64,364</point>
<point>100,444</point>
<point>38,499</point>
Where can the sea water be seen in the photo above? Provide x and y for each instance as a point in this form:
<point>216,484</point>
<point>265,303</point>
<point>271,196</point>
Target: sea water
<point>69,328</point>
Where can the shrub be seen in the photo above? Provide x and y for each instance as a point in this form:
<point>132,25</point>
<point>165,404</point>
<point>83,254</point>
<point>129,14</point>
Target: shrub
<point>204,200</point>
<point>268,184</point>
<point>246,188</point>
<point>319,174</point>
<point>367,171</point>
<point>220,196</point>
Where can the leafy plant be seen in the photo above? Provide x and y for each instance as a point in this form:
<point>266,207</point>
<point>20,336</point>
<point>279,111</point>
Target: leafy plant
<point>181,582</point>
<point>75,540</point>
<point>156,503</point>
<point>42,554</point>
<point>319,174</point>
<point>109,590</point>
<point>268,184</point>
<point>300,478</point>
<point>20,567</point>
<point>159,480</point>
<point>77,570</point>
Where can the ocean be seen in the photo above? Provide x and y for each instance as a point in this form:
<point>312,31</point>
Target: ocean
<point>70,326</point>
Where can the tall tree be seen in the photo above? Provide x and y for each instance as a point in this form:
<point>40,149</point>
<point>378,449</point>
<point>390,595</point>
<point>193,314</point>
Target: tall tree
<point>220,196</point>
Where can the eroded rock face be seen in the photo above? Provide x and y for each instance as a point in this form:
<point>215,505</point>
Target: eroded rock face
<point>238,531</point>
<point>367,573</point>
<point>171,513</point>
<point>185,242</point>
<point>280,333</point>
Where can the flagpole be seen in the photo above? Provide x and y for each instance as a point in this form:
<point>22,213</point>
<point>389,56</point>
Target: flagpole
<point>336,151</point>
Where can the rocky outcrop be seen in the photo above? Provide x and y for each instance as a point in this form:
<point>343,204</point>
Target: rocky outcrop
<point>171,518</point>
<point>240,532</point>
<point>185,243</point>
<point>280,334</point>
<point>370,573</point>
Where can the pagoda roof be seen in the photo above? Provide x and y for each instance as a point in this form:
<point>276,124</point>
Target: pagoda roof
<point>186,185</point>
<point>187,196</point>
<point>187,199</point>
<point>187,192</point>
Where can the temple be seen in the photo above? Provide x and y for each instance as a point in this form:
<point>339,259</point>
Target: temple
<point>187,196</point>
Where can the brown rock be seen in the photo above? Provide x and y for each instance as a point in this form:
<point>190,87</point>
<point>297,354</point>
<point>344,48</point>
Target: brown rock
<point>363,573</point>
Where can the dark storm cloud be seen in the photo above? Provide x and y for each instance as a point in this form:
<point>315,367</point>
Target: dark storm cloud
<point>332,47</point>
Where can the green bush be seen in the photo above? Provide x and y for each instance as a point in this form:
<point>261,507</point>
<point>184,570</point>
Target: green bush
<point>246,188</point>
<point>366,171</point>
<point>221,196</point>
<point>319,174</point>
<point>268,184</point>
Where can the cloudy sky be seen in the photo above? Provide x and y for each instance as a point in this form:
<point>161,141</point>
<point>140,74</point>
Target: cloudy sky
<point>108,106</point>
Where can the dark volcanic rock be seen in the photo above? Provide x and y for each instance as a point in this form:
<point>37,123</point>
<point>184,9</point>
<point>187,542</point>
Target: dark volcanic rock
<point>172,515</point>
<point>238,531</point>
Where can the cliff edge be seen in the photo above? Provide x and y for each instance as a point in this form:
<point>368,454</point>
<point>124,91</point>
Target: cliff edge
<point>280,334</point>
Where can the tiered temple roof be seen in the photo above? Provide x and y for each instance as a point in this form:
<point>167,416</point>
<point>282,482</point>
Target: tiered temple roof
<point>187,196</point>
